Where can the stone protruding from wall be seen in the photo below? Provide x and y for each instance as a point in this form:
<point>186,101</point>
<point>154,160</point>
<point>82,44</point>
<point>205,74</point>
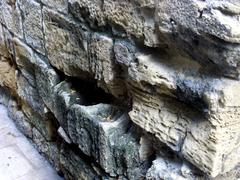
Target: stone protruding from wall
<point>125,89</point>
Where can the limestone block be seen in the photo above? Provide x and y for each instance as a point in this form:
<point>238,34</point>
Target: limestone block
<point>128,153</point>
<point>22,124</point>
<point>10,16</point>
<point>157,115</point>
<point>207,31</point>
<point>25,60</point>
<point>66,50</point>
<point>213,98</point>
<point>183,79</point>
<point>216,143</point>
<point>101,57</point>
<point>49,149</point>
<point>29,94</point>
<point>93,128</point>
<point>173,76</point>
<point>103,65</point>
<point>215,18</point>
<point>129,15</point>
<point>100,132</point>
<point>6,44</point>
<point>42,125</point>
<point>3,47</point>
<point>59,5</point>
<point>63,98</point>
<point>26,79</point>
<point>87,10</point>
<point>148,69</point>
<point>47,79</point>
<point>19,118</point>
<point>124,14</point>
<point>74,167</point>
<point>8,77</point>
<point>38,77</point>
<point>167,168</point>
<point>32,24</point>
<point>202,140</point>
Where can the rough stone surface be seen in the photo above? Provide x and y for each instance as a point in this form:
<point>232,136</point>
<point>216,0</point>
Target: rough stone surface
<point>31,13</point>
<point>103,88</point>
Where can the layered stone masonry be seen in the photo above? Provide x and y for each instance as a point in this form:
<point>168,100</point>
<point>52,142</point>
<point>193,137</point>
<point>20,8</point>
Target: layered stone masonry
<point>125,89</point>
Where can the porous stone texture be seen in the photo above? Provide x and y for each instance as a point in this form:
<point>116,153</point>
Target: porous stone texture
<point>128,89</point>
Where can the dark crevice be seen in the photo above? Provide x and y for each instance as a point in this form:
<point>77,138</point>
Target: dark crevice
<point>60,74</point>
<point>90,91</point>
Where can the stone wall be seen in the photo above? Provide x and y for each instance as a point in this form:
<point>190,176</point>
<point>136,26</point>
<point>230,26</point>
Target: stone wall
<point>128,89</point>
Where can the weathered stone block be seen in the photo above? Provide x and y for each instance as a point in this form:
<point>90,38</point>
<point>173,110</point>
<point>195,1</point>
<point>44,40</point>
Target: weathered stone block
<point>103,66</point>
<point>92,129</point>
<point>26,79</point>
<point>20,119</point>
<point>49,149</point>
<point>87,10</point>
<point>101,57</point>
<point>124,14</point>
<point>8,76</point>
<point>6,44</point>
<point>47,79</point>
<point>10,16</point>
<point>66,50</point>
<point>29,93</point>
<point>3,47</point>
<point>44,126</point>
<point>31,13</point>
<point>25,60</point>
<point>74,167</point>
<point>101,132</point>
<point>128,153</point>
<point>167,168</point>
<point>156,115</point>
<point>208,31</point>
<point>37,75</point>
<point>63,98</point>
<point>174,123</point>
<point>59,5</point>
